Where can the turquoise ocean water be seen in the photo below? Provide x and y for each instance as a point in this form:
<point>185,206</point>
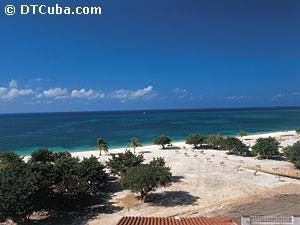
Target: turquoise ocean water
<point>78,131</point>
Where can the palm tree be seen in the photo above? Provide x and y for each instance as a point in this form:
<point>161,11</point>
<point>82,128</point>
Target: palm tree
<point>102,145</point>
<point>135,143</point>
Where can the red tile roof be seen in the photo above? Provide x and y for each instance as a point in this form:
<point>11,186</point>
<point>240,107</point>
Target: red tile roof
<point>176,221</point>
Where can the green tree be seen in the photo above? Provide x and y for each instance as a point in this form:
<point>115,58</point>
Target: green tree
<point>92,174</point>
<point>147,177</point>
<point>195,140</point>
<point>122,162</point>
<point>162,140</point>
<point>297,164</point>
<point>9,158</point>
<point>102,145</point>
<point>234,146</point>
<point>298,130</point>
<point>135,143</point>
<point>42,155</point>
<point>55,182</point>
<point>18,186</point>
<point>41,165</point>
<point>292,153</point>
<point>67,181</point>
<point>266,147</point>
<point>243,133</point>
<point>214,140</point>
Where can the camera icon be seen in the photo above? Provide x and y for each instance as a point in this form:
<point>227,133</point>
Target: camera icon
<point>10,10</point>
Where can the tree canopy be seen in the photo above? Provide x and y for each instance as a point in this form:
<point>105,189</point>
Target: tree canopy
<point>195,140</point>
<point>234,146</point>
<point>214,140</point>
<point>119,164</point>
<point>292,153</point>
<point>243,133</point>
<point>162,140</point>
<point>266,147</point>
<point>147,177</point>
<point>134,143</point>
<point>102,145</point>
<point>48,181</point>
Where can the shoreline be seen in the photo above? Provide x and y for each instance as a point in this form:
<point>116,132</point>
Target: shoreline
<point>249,139</point>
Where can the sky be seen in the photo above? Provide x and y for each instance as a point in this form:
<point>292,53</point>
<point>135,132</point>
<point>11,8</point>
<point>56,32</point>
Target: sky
<point>151,54</point>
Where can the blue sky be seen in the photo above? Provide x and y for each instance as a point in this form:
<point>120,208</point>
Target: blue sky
<point>152,55</point>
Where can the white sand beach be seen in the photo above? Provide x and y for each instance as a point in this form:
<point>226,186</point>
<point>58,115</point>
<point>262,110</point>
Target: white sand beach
<point>285,137</point>
<point>206,182</point>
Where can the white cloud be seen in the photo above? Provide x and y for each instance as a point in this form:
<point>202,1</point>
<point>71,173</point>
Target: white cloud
<point>25,92</point>
<point>11,92</point>
<point>238,97</point>
<point>56,93</point>
<point>278,96</point>
<point>144,93</point>
<point>181,93</point>
<point>89,94</point>
<point>13,84</point>
<point>37,79</point>
<point>41,95</point>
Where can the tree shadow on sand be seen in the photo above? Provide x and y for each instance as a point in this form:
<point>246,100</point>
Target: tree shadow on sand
<point>171,198</point>
<point>176,179</point>
<point>91,209</point>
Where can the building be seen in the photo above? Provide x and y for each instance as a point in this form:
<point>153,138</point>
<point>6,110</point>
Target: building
<point>176,221</point>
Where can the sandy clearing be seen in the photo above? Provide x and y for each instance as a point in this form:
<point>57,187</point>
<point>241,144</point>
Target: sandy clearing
<point>205,186</point>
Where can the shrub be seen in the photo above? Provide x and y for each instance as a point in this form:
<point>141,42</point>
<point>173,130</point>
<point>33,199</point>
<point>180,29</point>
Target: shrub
<point>162,140</point>
<point>266,147</point>
<point>298,130</point>
<point>243,133</point>
<point>18,186</point>
<point>53,182</point>
<point>214,140</point>
<point>234,145</point>
<point>92,173</point>
<point>42,155</point>
<point>292,153</point>
<point>120,164</point>
<point>297,163</point>
<point>147,177</point>
<point>195,140</point>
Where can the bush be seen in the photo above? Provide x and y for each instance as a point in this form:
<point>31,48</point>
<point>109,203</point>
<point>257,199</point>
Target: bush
<point>9,158</point>
<point>92,173</point>
<point>214,140</point>
<point>51,182</point>
<point>162,140</point>
<point>18,186</point>
<point>234,145</point>
<point>297,164</point>
<point>266,147</point>
<point>147,177</point>
<point>292,153</point>
<point>119,165</point>
<point>195,140</point>
<point>298,130</point>
<point>243,133</point>
<point>42,155</point>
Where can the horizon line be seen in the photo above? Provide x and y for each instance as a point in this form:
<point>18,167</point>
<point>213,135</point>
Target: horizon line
<point>167,109</point>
